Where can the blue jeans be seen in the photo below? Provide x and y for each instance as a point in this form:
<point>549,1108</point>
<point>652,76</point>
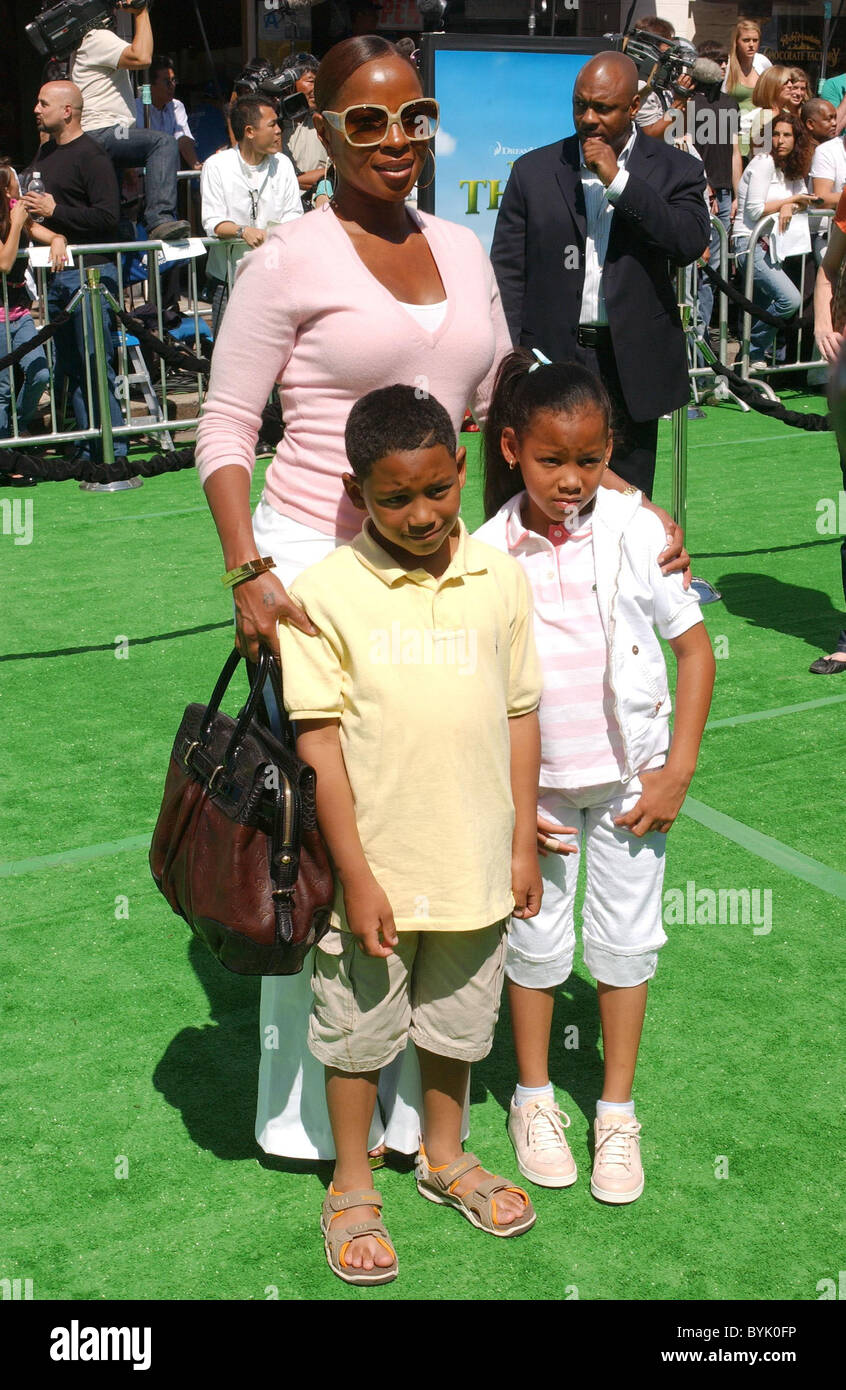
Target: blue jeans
<point>70,354</point>
<point>158,154</point>
<point>774,290</point>
<point>36,373</point>
<point>706,289</point>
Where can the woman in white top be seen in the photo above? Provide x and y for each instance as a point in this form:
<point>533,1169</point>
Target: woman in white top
<point>774,184</point>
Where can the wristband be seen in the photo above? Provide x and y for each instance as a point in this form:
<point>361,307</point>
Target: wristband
<point>249,570</point>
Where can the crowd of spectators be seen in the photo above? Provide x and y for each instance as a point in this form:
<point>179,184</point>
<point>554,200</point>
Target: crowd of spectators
<point>772,150</point>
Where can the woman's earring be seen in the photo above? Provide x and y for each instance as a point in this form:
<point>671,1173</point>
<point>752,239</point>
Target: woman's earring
<point>429,151</point>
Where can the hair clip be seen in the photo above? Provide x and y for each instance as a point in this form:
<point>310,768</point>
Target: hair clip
<point>541,362</point>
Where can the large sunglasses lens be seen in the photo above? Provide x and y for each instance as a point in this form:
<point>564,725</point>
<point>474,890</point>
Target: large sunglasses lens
<point>420,119</point>
<point>366,125</point>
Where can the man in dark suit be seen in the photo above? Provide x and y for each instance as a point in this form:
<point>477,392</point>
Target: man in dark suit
<point>586,230</point>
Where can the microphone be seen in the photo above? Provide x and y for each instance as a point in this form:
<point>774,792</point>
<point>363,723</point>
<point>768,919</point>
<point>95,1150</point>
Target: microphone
<point>706,73</point>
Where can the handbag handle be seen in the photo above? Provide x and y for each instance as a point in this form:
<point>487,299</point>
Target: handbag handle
<point>249,710</point>
<point>266,666</point>
<point>219,691</point>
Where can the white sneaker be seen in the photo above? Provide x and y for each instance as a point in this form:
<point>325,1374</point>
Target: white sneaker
<point>536,1130</point>
<point>617,1175</point>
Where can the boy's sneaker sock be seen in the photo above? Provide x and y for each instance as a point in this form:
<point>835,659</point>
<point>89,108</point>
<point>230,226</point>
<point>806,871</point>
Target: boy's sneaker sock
<point>522,1094</point>
<point>536,1129</point>
<point>610,1107</point>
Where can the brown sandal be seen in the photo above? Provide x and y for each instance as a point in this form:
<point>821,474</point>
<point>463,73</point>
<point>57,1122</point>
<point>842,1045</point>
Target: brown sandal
<point>336,1241</point>
<point>478,1205</point>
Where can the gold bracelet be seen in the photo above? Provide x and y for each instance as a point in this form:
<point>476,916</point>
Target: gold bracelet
<point>249,570</point>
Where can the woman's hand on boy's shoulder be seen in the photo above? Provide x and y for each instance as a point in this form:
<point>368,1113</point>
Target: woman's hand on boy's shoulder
<point>526,882</point>
<point>370,916</point>
<point>662,794</point>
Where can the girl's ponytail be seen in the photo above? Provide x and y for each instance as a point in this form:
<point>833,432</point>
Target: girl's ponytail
<point>522,387</point>
<point>501,480</point>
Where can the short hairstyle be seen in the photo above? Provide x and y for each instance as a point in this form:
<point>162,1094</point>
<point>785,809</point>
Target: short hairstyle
<point>160,63</point>
<point>395,419</point>
<point>813,107</point>
<point>717,52</point>
<point>651,24</point>
<point>247,111</point>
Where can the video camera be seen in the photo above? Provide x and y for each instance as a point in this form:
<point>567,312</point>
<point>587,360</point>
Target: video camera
<point>261,78</point>
<point>661,62</point>
<point>57,31</point>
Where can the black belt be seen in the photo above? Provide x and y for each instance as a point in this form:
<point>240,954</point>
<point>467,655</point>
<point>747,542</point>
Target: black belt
<point>592,335</point>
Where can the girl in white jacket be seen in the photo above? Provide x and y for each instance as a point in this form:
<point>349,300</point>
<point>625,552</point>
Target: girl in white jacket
<point>608,786</point>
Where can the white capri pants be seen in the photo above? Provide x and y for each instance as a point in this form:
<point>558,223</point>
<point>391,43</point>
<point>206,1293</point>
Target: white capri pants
<point>622,914</point>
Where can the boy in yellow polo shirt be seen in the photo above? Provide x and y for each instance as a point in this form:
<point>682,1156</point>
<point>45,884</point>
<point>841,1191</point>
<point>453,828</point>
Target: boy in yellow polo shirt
<point>417,706</point>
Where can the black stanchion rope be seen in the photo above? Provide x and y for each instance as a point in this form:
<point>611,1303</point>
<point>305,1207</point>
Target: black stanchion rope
<point>748,305</point>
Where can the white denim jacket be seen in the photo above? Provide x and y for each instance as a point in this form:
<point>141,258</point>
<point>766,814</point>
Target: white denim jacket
<point>634,599</point>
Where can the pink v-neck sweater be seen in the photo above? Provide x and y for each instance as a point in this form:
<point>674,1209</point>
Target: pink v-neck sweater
<point>305,312</point>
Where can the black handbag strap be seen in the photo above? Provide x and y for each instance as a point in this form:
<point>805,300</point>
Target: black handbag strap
<point>219,691</point>
<point>258,677</point>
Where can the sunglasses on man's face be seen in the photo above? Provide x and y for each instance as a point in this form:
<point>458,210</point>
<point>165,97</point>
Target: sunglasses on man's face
<point>370,124</point>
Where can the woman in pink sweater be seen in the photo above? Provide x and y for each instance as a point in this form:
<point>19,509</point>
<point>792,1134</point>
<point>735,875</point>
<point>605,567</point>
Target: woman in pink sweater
<point>356,295</point>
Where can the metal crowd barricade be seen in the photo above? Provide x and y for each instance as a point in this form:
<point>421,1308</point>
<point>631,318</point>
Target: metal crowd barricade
<point>95,388</point>
<point>720,299</point>
<point>776,368</point>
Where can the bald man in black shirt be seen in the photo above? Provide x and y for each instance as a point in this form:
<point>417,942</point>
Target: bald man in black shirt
<point>81,201</point>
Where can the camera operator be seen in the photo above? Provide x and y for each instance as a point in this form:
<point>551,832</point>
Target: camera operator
<point>299,137</point>
<point>246,189</point>
<point>100,67</point>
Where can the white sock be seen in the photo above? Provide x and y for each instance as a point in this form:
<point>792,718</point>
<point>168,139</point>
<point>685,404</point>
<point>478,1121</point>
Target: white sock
<point>522,1094</point>
<point>621,1107</point>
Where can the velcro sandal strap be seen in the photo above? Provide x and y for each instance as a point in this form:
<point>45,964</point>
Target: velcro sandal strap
<point>490,1186</point>
<point>362,1197</point>
<point>465,1163</point>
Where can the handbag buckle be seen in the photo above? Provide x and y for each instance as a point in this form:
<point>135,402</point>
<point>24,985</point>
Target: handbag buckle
<point>214,776</point>
<point>189,750</point>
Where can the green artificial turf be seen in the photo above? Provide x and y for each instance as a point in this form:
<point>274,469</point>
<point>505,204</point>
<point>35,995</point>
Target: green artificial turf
<point>131,1057</point>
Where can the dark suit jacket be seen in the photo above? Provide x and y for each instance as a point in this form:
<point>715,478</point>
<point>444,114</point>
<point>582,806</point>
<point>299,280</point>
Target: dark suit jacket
<point>660,217</point>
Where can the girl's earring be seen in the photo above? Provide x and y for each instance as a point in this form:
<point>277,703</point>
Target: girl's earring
<point>429,152</point>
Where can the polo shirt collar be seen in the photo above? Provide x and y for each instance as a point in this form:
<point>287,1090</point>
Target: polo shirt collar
<point>469,558</point>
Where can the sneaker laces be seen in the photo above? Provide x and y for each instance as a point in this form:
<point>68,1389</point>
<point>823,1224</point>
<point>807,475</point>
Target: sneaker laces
<point>546,1126</point>
<point>616,1146</point>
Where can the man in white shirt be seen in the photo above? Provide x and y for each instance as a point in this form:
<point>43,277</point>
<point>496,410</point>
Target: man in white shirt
<point>100,67</point>
<point>166,111</point>
<point>245,190</point>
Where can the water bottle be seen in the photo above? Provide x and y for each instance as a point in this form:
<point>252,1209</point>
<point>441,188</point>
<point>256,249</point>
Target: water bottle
<point>36,185</point>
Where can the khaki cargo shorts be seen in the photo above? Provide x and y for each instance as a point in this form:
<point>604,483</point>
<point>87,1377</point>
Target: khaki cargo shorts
<point>441,989</point>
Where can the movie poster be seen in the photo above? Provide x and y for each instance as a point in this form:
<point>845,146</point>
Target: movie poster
<point>496,103</point>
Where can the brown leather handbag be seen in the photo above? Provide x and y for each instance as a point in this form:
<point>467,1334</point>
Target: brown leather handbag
<point>236,849</point>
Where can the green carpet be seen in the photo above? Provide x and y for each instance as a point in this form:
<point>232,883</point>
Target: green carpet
<point>131,1057</point>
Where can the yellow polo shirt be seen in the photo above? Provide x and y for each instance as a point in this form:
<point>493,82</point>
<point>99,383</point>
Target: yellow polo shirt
<point>423,675</point>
